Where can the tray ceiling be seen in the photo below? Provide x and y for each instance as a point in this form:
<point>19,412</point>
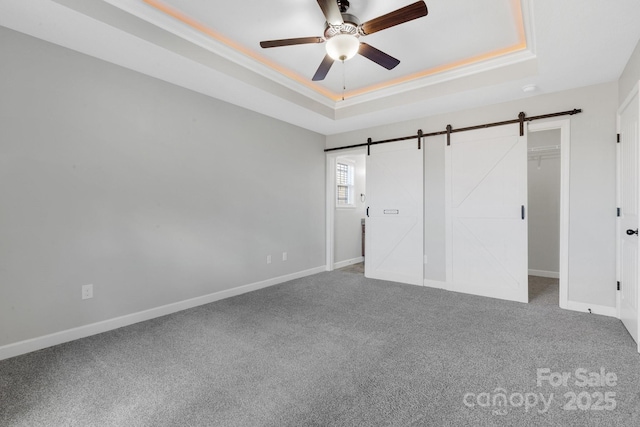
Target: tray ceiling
<point>454,34</point>
<point>463,54</point>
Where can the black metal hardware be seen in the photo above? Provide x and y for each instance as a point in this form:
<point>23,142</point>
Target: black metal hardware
<point>521,119</point>
<point>618,285</point>
<point>450,130</point>
<point>419,139</point>
<point>367,211</point>
<point>522,211</point>
<point>631,232</point>
<point>618,211</point>
<point>618,139</point>
<point>343,5</point>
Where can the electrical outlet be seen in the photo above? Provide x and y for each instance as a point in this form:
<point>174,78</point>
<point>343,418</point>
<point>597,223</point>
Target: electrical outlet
<point>87,291</point>
<point>284,256</point>
<point>268,259</point>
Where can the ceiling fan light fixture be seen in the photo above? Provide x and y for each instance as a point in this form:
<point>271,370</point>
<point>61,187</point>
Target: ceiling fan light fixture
<point>342,47</point>
<point>342,32</point>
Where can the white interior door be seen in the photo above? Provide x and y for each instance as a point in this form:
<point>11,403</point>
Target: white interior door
<point>628,195</point>
<point>487,201</point>
<point>394,225</point>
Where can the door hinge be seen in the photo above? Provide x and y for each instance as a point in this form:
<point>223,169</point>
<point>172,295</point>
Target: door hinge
<point>618,212</point>
<point>618,285</point>
<point>618,139</point>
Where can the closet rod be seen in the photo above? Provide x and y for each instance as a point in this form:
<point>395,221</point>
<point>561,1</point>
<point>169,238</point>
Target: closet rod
<point>521,119</point>
<point>544,149</point>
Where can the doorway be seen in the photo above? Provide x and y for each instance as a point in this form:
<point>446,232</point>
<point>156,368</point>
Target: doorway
<point>543,190</point>
<point>548,201</point>
<point>346,210</point>
<point>493,263</point>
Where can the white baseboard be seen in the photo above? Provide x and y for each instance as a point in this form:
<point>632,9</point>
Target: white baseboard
<point>595,309</point>
<point>27,346</point>
<point>348,262</point>
<point>543,273</point>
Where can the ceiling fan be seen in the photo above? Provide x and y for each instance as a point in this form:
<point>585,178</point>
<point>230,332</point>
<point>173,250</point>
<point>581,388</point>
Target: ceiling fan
<point>343,30</point>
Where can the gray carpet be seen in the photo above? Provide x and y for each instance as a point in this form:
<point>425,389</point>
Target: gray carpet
<point>544,291</point>
<point>354,268</point>
<point>333,349</point>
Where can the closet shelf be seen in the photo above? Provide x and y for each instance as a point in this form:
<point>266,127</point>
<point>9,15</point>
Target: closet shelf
<point>544,149</point>
<point>544,152</point>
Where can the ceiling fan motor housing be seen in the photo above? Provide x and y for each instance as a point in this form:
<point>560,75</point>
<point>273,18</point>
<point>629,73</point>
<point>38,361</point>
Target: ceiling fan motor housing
<point>349,26</point>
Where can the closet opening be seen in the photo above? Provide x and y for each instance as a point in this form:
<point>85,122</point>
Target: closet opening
<point>544,173</point>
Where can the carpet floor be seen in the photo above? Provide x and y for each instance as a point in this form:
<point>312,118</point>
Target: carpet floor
<point>336,349</point>
<point>544,291</point>
<point>354,268</point>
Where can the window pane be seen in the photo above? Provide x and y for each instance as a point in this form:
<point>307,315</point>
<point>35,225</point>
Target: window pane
<point>342,174</point>
<point>344,183</point>
<point>343,194</point>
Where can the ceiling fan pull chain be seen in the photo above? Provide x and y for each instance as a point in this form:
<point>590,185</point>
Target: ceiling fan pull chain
<point>344,79</point>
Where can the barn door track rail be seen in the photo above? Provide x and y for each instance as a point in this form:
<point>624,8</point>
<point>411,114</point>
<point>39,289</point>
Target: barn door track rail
<point>369,142</point>
<point>449,130</point>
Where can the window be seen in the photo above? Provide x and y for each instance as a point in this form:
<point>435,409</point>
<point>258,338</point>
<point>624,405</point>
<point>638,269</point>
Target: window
<point>344,183</point>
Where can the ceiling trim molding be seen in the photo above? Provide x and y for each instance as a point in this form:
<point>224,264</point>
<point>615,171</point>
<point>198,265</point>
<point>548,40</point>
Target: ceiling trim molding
<point>524,68</point>
<point>178,23</point>
<point>105,12</point>
<point>499,62</point>
<point>192,44</point>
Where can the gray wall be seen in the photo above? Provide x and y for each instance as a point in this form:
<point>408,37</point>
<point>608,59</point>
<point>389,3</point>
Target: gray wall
<point>347,221</point>
<point>543,183</point>
<point>630,76</point>
<point>150,192</point>
<point>592,180</point>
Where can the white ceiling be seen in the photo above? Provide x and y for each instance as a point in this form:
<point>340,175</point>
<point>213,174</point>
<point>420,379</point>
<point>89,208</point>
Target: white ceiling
<point>463,54</point>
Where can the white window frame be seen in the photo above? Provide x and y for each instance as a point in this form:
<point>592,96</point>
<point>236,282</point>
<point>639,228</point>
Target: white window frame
<point>351,188</point>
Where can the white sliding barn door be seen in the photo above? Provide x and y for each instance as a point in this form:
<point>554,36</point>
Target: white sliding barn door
<point>486,202</point>
<point>628,195</point>
<point>394,225</point>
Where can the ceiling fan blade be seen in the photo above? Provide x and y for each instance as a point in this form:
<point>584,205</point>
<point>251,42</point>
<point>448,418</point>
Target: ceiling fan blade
<point>331,11</point>
<point>290,42</point>
<point>400,16</point>
<point>323,69</point>
<point>378,56</point>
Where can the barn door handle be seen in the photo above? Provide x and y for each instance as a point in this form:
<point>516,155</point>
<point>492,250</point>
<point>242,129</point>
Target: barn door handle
<point>522,211</point>
<point>631,232</point>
